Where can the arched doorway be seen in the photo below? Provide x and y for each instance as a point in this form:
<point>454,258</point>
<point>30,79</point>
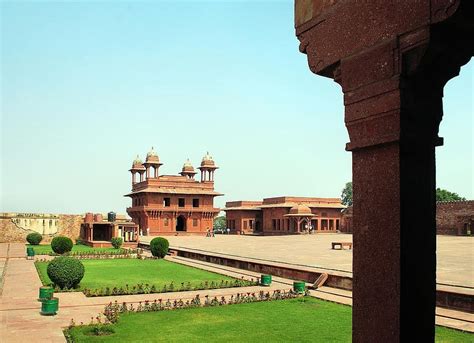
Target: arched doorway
<point>181,223</point>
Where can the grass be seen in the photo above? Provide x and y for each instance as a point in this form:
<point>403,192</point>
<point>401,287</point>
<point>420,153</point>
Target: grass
<point>111,273</point>
<point>45,249</point>
<point>291,320</point>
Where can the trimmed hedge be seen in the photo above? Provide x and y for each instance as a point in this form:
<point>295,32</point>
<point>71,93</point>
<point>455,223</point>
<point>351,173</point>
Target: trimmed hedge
<point>61,245</point>
<point>65,272</point>
<point>116,242</point>
<point>159,247</point>
<point>34,238</point>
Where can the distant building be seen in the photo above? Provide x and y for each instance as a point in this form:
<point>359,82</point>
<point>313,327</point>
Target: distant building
<point>284,215</point>
<point>455,217</point>
<point>452,218</point>
<point>96,231</point>
<point>346,220</point>
<point>172,204</point>
<point>14,226</point>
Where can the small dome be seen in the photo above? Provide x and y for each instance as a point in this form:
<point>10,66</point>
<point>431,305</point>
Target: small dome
<point>187,166</point>
<point>152,156</point>
<point>207,161</point>
<point>137,162</point>
<point>300,210</point>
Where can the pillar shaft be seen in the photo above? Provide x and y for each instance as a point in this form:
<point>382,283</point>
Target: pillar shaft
<point>392,61</point>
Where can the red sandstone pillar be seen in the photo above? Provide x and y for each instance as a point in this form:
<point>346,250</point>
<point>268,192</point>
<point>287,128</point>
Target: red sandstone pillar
<point>392,60</point>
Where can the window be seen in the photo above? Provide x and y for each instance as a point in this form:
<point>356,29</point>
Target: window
<point>195,202</point>
<point>181,202</point>
<point>166,202</point>
<point>274,224</point>
<point>195,222</point>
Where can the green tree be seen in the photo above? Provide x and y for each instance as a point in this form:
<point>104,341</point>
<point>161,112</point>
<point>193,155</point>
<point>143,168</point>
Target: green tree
<point>444,195</point>
<point>220,222</point>
<point>346,196</point>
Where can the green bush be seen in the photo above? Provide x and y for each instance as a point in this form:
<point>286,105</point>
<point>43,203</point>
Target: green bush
<point>65,272</point>
<point>116,242</point>
<point>34,238</point>
<point>159,247</point>
<point>61,245</point>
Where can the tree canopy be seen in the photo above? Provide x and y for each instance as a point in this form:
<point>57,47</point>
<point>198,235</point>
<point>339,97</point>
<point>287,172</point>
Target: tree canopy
<point>346,196</point>
<point>220,222</point>
<point>444,195</point>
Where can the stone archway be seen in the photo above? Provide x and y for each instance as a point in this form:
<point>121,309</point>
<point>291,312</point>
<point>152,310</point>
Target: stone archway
<point>181,223</point>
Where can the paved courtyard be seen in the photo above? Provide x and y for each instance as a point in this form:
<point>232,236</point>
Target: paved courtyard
<point>455,254</point>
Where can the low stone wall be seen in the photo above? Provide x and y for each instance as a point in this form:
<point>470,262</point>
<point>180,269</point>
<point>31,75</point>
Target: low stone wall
<point>14,227</point>
<point>455,300</point>
<point>335,279</point>
<point>450,299</point>
<point>455,217</point>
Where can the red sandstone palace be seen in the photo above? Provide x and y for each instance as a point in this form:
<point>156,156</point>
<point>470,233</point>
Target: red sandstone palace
<point>172,204</point>
<point>284,215</point>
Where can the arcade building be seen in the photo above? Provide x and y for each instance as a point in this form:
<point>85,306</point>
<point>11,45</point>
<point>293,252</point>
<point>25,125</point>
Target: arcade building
<point>172,204</point>
<point>284,215</point>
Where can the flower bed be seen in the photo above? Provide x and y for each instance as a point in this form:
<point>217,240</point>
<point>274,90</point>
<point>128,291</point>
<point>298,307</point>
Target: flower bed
<point>254,318</point>
<point>45,249</point>
<point>150,289</point>
<point>118,253</point>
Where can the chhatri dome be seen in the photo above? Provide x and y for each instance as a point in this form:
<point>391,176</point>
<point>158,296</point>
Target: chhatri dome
<point>187,166</point>
<point>300,210</point>
<point>152,156</point>
<point>207,161</point>
<point>137,163</point>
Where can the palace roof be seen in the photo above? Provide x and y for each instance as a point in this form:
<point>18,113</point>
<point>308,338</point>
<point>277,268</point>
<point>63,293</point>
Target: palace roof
<point>284,202</point>
<point>162,190</point>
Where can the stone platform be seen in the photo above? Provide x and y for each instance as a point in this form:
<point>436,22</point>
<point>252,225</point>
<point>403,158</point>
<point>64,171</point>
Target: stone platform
<point>455,254</point>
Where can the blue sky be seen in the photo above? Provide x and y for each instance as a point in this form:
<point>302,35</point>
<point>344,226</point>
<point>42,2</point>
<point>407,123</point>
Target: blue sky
<point>85,86</point>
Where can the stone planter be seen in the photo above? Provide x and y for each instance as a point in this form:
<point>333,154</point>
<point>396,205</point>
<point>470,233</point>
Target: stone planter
<point>30,253</point>
<point>299,287</point>
<point>266,280</point>
<point>45,293</point>
<point>49,307</point>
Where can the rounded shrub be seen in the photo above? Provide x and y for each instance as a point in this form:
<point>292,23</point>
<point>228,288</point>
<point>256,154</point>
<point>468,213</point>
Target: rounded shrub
<point>61,245</point>
<point>34,238</point>
<point>116,242</point>
<point>159,247</point>
<point>65,272</point>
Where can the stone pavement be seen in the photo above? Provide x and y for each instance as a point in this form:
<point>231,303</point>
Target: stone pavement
<point>455,254</point>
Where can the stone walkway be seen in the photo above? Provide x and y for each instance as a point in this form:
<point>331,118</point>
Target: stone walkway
<point>20,317</point>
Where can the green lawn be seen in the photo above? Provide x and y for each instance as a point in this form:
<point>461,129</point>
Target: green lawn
<point>120,272</point>
<point>45,249</point>
<point>276,321</point>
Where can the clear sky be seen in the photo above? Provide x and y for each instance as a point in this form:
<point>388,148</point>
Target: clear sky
<point>85,86</point>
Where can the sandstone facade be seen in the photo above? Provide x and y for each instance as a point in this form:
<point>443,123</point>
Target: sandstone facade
<point>455,217</point>
<point>14,227</point>
<point>452,218</point>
